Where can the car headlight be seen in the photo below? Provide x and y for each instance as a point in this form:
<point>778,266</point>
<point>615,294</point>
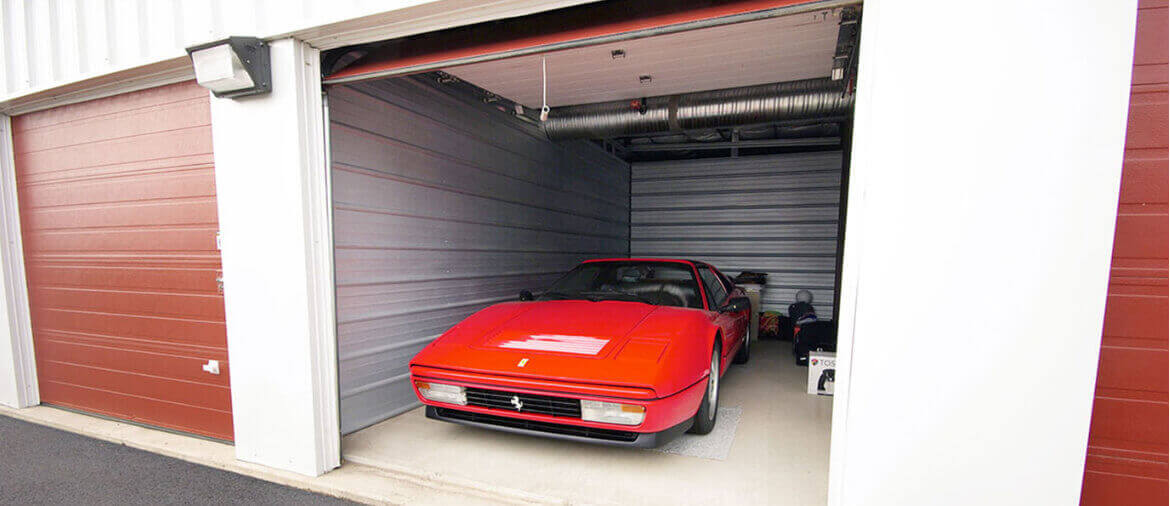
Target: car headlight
<point>612,412</point>
<point>439,392</point>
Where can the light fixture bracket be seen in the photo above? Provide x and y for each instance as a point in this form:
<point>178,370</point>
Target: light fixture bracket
<point>252,54</point>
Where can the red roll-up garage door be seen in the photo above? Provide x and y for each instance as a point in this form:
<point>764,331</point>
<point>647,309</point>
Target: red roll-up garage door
<point>118,216</point>
<point>1126,461</point>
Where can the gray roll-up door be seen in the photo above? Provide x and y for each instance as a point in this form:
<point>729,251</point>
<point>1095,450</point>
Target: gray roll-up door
<point>776,214</point>
<point>443,206</point>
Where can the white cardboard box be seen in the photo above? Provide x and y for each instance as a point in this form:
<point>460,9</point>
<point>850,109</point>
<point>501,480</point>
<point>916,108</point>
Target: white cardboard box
<point>821,365</point>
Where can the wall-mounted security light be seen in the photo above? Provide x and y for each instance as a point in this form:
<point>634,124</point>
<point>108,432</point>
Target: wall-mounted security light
<point>233,67</point>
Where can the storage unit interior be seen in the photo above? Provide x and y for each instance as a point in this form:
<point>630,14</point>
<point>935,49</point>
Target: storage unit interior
<point>450,194</point>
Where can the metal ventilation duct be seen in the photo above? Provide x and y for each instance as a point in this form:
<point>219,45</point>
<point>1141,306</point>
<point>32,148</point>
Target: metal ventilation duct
<point>765,103</point>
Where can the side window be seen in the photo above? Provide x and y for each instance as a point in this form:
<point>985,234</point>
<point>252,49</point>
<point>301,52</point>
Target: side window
<point>726,281</point>
<point>716,294</point>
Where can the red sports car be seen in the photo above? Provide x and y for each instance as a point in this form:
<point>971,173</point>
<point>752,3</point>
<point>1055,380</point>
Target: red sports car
<point>618,351</point>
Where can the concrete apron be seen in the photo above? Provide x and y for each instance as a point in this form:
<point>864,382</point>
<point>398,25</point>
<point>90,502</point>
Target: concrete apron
<point>352,481</point>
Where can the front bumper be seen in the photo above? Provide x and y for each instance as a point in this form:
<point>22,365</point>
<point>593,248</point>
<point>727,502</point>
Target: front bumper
<point>567,432</point>
<point>666,417</point>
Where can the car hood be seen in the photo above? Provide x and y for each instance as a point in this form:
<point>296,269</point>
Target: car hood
<point>576,328</point>
<point>606,342</point>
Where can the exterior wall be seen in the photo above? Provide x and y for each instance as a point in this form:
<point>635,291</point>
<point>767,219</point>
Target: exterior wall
<point>1079,57</point>
<point>776,214</point>
<point>443,206</point>
<point>988,212</point>
<point>49,43</point>
<point>1126,461</point>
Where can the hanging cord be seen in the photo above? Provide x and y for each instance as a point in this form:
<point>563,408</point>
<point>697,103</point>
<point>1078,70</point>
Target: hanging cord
<point>543,91</point>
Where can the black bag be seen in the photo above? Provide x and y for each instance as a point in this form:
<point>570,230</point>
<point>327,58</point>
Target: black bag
<point>814,336</point>
<point>755,278</point>
<point>785,333</point>
<point>819,335</point>
<point>799,310</point>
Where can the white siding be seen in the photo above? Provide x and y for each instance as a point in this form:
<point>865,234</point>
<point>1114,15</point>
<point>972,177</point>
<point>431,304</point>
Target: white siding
<point>776,214</point>
<point>48,43</point>
<point>443,206</point>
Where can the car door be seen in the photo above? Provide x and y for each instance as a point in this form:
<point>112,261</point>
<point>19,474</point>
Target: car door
<point>741,324</point>
<point>717,296</point>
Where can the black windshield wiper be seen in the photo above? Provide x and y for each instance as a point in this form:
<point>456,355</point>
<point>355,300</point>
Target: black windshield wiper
<point>611,293</point>
<point>562,295</point>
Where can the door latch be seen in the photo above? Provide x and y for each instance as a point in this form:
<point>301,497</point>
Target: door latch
<point>212,366</point>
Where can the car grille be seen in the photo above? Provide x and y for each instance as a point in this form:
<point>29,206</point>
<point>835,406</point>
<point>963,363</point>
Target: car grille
<point>551,428</point>
<point>538,404</point>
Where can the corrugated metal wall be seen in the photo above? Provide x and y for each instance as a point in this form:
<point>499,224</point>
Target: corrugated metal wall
<point>776,214</point>
<point>443,206</point>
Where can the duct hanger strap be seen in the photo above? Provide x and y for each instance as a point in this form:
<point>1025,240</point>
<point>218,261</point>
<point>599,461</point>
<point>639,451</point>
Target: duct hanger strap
<point>543,91</point>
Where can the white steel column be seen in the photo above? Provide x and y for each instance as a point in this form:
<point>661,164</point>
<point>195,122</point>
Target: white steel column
<point>983,194</point>
<point>272,184</point>
<point>18,375</point>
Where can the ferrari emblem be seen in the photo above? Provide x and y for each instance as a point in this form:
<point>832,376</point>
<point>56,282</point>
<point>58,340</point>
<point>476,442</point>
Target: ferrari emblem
<point>516,401</point>
<point>522,362</point>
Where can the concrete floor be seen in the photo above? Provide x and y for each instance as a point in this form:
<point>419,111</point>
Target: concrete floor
<point>780,454</point>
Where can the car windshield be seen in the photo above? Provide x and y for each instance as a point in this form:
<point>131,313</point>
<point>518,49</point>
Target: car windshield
<point>657,283</point>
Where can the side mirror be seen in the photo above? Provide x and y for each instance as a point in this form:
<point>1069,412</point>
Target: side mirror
<point>526,295</point>
<point>736,304</point>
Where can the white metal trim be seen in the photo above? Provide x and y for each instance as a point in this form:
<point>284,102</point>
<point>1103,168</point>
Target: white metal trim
<point>438,16</point>
<point>318,219</point>
<point>12,273</point>
<point>125,81</point>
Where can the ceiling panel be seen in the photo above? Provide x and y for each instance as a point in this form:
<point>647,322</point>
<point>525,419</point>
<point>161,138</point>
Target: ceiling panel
<point>766,51</point>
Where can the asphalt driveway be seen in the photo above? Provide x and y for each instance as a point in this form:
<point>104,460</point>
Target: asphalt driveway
<point>41,465</point>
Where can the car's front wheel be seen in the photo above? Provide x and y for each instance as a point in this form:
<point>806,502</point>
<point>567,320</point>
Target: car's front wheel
<point>709,407</point>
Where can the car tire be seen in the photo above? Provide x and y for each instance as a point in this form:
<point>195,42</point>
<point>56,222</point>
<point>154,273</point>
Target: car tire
<point>704,421</point>
<point>745,351</point>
